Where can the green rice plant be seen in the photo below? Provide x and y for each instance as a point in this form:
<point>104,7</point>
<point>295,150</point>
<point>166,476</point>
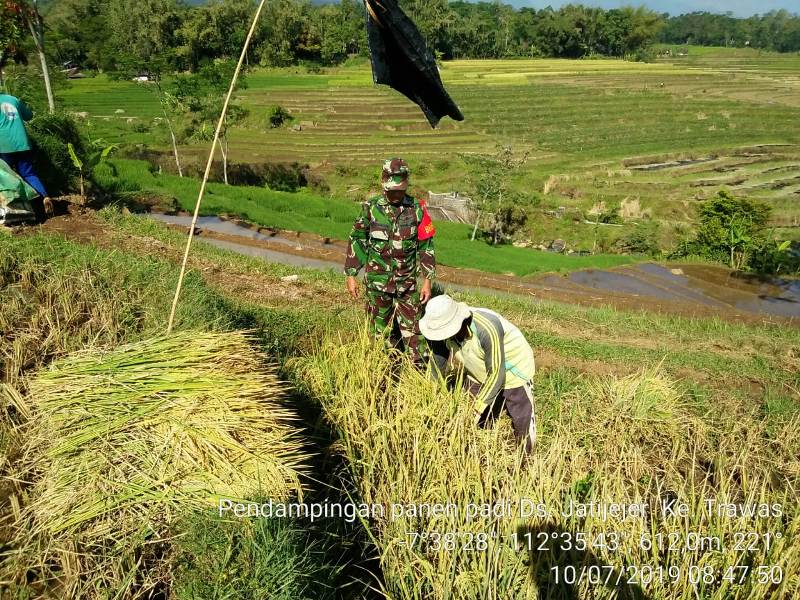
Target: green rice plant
<point>251,559</point>
<point>583,120</point>
<point>123,442</point>
<point>519,527</point>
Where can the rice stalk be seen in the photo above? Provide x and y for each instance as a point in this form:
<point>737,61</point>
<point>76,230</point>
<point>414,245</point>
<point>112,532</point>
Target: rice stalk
<point>610,440</point>
<point>123,442</point>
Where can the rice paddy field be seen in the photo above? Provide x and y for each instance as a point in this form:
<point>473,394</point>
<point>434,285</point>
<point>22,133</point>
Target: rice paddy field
<point>694,419</point>
<point>649,140</point>
<point>139,464</point>
<point>331,217</point>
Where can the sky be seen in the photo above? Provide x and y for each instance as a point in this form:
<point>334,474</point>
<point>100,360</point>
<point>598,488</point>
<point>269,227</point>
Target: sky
<point>739,8</point>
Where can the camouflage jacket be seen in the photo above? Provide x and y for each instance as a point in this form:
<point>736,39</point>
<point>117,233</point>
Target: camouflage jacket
<point>384,240</point>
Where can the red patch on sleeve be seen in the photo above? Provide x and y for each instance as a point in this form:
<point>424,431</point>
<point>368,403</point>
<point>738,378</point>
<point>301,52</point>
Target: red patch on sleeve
<point>426,229</point>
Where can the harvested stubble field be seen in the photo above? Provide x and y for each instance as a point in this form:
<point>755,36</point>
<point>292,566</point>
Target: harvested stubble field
<point>649,139</point>
<point>632,407</point>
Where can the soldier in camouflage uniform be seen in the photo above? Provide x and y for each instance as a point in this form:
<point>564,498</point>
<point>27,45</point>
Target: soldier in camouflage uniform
<point>393,241</point>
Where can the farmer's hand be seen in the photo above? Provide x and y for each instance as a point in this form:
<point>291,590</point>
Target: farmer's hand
<point>48,206</point>
<point>425,293</point>
<point>352,287</point>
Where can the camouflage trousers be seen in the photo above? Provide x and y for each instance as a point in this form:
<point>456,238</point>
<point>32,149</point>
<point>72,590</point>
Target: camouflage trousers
<point>395,318</point>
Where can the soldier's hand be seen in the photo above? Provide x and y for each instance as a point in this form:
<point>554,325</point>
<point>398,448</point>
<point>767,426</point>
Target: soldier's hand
<point>425,292</point>
<point>352,287</point>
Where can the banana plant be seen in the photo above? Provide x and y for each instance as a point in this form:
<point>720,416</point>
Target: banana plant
<point>85,167</point>
<point>739,242</point>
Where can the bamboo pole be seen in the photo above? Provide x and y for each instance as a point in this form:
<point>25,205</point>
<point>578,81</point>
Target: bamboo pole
<point>210,161</point>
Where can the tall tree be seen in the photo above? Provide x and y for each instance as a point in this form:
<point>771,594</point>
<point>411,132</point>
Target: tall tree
<point>36,26</point>
<point>431,16</point>
<point>341,28</point>
<point>493,201</point>
<point>215,30</point>
<point>199,94</point>
<point>78,33</point>
<point>12,27</point>
<point>144,30</point>
<point>144,35</point>
<point>27,13</point>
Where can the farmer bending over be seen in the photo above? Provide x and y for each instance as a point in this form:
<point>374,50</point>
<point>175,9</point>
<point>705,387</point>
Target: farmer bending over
<point>495,356</point>
<point>15,147</point>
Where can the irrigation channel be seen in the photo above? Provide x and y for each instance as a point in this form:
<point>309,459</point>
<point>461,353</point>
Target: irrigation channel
<point>685,289</point>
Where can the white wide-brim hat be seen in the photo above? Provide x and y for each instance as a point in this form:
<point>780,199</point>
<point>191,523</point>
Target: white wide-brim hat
<point>443,318</point>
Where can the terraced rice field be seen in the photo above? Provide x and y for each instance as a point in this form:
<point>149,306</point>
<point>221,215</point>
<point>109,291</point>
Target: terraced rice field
<point>649,139</point>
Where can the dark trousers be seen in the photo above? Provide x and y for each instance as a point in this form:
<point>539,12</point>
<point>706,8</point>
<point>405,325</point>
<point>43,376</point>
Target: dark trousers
<point>518,402</point>
<point>22,164</point>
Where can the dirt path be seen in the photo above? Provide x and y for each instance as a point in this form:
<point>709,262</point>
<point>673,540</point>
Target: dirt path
<point>721,291</point>
<point>698,291</point>
<point>85,228</point>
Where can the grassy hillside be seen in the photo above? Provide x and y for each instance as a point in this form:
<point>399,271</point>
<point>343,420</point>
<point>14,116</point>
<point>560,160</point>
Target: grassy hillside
<point>332,217</point>
<point>649,140</point>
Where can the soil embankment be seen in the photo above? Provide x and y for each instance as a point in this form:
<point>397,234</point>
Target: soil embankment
<point>686,290</point>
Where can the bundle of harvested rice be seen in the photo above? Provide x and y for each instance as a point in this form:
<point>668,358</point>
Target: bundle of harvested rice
<point>122,442</point>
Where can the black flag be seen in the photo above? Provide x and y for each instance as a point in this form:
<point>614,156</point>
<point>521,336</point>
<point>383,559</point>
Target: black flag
<point>400,59</point>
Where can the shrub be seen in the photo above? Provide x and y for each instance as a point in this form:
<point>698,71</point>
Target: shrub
<point>278,117</point>
<point>774,257</point>
<point>643,239</point>
<point>610,215</point>
<point>312,68</point>
<point>50,135</point>
<point>730,229</point>
<point>644,54</point>
<point>285,177</point>
<point>315,180</point>
<point>509,217</point>
<point>603,242</point>
<point>346,170</point>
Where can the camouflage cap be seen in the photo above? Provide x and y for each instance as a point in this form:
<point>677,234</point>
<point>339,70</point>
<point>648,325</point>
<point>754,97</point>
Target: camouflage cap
<point>395,174</point>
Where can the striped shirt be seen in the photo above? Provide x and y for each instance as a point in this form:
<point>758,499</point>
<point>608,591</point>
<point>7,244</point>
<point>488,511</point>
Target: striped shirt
<point>495,354</point>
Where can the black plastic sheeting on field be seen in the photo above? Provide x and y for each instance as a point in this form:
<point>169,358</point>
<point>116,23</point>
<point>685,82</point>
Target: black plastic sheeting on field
<point>401,60</point>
